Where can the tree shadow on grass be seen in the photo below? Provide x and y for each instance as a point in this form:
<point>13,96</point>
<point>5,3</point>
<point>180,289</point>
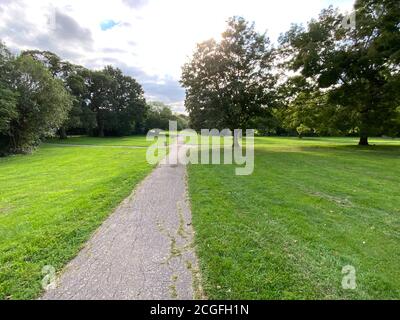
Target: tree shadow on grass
<point>387,151</point>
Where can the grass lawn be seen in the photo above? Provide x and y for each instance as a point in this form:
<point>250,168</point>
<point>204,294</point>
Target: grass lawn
<point>311,207</point>
<point>134,141</point>
<point>52,201</point>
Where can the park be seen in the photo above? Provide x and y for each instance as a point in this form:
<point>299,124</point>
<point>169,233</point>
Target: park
<point>278,181</point>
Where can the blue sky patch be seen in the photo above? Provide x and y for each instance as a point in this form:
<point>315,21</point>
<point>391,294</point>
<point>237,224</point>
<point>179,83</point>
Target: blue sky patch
<point>108,24</point>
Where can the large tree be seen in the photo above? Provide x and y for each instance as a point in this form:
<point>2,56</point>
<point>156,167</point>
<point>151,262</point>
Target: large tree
<point>229,82</point>
<point>100,98</point>
<point>32,105</point>
<point>354,70</point>
<point>117,101</point>
<point>8,97</point>
<point>128,108</point>
<point>81,119</point>
<point>74,78</point>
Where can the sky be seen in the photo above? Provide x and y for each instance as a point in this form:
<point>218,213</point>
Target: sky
<point>148,39</point>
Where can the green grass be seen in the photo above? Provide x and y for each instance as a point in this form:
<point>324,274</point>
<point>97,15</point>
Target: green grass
<point>52,201</point>
<point>311,207</point>
<point>134,141</point>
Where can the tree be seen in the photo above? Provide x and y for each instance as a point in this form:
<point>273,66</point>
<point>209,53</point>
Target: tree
<point>8,109</point>
<point>117,101</point>
<point>81,119</point>
<point>100,88</point>
<point>159,115</point>
<point>36,104</point>
<point>182,120</point>
<point>304,109</point>
<point>230,82</point>
<point>356,69</point>
<point>128,108</point>
<point>8,98</point>
<point>269,123</point>
<point>74,79</point>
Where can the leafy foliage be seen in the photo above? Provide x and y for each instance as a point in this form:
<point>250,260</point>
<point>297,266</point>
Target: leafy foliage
<point>229,82</point>
<point>105,102</point>
<point>159,115</point>
<point>357,69</point>
<point>32,105</point>
<point>117,101</point>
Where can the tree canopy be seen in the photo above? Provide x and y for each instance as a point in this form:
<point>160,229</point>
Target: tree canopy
<point>118,101</point>
<point>355,71</point>
<point>327,78</point>
<point>41,94</point>
<point>159,114</point>
<point>32,103</point>
<point>105,102</point>
<point>229,82</point>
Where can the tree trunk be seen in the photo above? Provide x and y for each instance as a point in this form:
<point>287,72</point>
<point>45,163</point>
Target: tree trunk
<point>100,125</point>
<point>62,133</point>
<point>101,131</point>
<point>13,143</point>
<point>363,141</point>
<point>364,132</point>
<point>235,142</point>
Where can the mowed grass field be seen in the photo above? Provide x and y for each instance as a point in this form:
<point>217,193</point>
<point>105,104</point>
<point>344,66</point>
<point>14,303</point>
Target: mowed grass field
<point>51,201</point>
<point>311,207</point>
<point>131,141</point>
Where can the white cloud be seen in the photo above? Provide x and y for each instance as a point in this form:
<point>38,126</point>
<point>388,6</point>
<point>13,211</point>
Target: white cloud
<point>152,38</point>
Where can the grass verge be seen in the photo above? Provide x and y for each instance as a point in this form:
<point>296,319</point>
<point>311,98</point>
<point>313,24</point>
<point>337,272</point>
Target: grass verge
<point>311,207</point>
<point>52,201</point>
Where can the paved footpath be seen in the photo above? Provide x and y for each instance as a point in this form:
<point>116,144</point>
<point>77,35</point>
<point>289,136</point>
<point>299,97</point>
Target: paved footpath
<point>144,250</point>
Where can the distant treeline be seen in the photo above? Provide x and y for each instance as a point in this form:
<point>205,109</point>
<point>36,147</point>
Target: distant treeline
<point>330,77</point>
<point>42,95</point>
